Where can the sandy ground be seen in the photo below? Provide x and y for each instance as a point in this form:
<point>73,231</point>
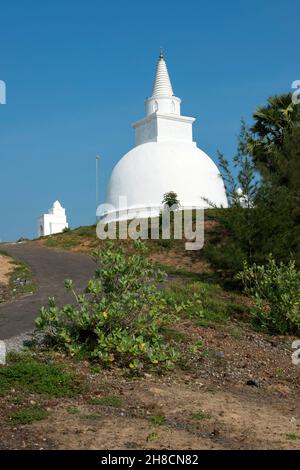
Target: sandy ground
<point>6,267</point>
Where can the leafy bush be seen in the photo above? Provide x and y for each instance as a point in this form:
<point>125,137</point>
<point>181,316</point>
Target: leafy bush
<point>119,319</point>
<point>276,291</point>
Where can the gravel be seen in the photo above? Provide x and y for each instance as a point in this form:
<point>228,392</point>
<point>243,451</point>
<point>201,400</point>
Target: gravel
<point>19,342</point>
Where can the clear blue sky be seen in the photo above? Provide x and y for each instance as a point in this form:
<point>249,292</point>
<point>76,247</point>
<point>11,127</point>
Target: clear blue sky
<point>77,73</point>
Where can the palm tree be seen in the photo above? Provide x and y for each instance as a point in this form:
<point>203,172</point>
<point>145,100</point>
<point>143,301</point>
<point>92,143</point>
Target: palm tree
<point>273,123</point>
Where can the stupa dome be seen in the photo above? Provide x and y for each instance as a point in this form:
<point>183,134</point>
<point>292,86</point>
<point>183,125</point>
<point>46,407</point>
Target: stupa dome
<point>164,159</point>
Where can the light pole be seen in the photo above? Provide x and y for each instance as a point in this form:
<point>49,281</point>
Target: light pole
<point>97,183</point>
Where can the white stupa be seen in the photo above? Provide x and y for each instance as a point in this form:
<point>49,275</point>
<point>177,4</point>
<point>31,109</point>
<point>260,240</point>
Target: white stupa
<point>53,222</point>
<point>164,159</point>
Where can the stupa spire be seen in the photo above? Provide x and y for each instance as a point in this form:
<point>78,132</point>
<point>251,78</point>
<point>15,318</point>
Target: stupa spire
<point>162,83</point>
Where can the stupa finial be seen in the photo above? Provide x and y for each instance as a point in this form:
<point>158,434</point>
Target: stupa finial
<point>162,84</point>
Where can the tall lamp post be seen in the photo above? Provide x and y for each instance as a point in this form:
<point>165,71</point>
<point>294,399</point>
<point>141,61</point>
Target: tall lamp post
<point>97,183</point>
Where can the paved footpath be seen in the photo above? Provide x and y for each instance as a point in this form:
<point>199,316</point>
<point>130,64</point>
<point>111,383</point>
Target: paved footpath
<point>50,268</point>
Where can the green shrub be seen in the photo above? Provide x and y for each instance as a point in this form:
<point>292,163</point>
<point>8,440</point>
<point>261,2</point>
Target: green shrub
<point>120,317</point>
<point>275,289</point>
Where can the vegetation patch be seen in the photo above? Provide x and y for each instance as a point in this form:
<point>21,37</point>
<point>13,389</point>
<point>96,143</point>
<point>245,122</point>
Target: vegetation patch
<point>28,415</point>
<point>20,279</point>
<point>157,420</point>
<point>73,238</point>
<point>293,437</point>
<point>275,289</point>
<point>198,300</point>
<point>115,402</point>
<point>152,436</point>
<point>73,410</point>
<point>201,415</point>
<point>29,374</point>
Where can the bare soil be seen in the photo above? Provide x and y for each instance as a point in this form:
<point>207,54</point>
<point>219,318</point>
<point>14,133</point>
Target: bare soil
<point>6,267</point>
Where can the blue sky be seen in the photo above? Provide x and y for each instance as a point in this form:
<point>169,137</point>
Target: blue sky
<point>77,73</point>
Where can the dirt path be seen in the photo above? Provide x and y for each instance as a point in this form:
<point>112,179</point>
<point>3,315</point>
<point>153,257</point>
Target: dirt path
<point>50,268</point>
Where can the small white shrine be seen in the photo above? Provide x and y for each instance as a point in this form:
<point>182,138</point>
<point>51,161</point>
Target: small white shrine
<point>53,222</point>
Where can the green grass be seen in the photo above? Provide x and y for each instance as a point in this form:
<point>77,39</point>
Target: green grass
<point>152,436</point>
<point>71,238</point>
<point>22,280</point>
<point>95,369</point>
<point>60,243</point>
<point>28,415</point>
<point>157,420</point>
<point>197,300</point>
<point>201,415</point>
<point>28,374</point>
<point>293,437</point>
<point>206,277</point>
<point>204,302</point>
<point>73,410</point>
<point>106,401</point>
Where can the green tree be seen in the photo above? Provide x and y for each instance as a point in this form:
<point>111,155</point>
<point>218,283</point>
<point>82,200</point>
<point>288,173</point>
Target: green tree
<point>236,235</point>
<point>280,195</point>
<point>270,223</point>
<point>273,123</point>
